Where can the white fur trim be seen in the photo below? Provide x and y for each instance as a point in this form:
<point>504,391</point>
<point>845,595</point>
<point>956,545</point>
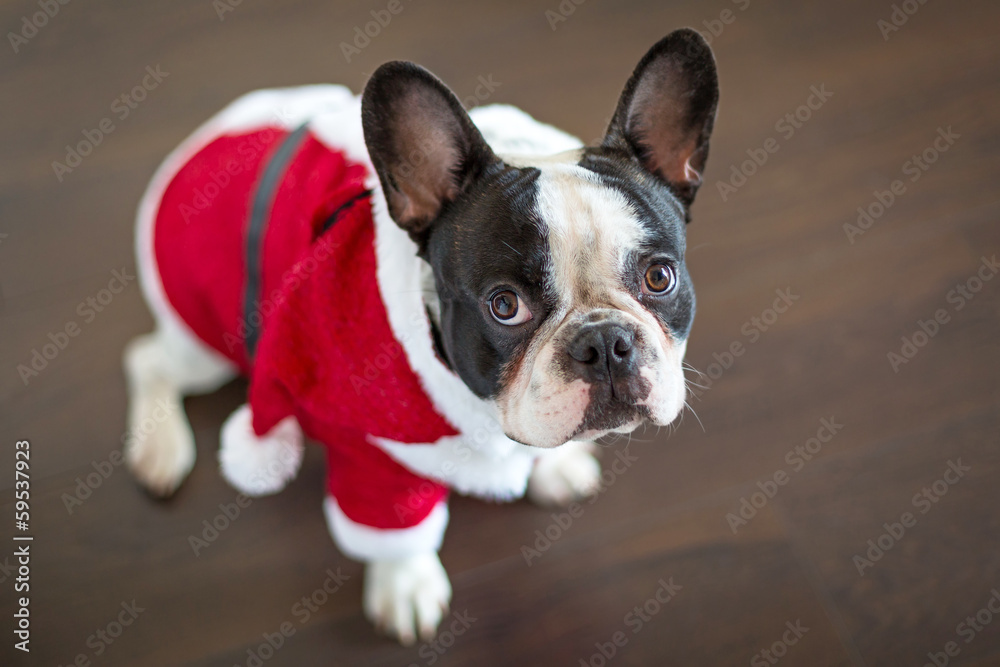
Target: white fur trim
<point>469,471</point>
<point>259,466</point>
<point>364,543</point>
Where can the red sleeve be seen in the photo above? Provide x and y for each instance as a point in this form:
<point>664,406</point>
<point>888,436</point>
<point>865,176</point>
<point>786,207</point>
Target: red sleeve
<point>269,400</point>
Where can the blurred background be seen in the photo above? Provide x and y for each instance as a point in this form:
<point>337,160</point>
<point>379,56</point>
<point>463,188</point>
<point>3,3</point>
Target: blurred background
<point>833,503</point>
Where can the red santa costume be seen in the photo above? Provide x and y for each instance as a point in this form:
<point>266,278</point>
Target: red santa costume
<point>266,237</point>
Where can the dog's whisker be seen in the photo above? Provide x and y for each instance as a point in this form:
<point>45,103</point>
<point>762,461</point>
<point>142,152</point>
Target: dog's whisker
<point>688,406</point>
<point>513,248</point>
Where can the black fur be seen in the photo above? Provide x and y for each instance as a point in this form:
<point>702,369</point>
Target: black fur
<point>481,244</point>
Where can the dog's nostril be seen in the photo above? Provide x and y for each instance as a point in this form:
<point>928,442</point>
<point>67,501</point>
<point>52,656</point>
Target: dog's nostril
<point>586,354</point>
<point>622,347</point>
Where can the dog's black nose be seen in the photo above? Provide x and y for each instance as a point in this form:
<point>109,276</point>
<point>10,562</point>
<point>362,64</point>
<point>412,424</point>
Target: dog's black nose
<point>603,352</point>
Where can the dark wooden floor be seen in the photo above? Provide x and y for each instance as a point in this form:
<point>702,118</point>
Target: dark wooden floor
<point>665,517</point>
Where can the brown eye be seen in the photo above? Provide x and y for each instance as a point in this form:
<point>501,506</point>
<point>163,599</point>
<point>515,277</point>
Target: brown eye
<point>659,279</point>
<point>508,309</point>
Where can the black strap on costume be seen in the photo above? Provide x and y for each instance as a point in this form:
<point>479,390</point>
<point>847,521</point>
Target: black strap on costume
<point>260,210</point>
<point>343,207</point>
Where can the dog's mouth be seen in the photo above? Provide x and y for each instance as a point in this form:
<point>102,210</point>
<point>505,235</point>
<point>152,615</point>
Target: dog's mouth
<point>600,420</point>
<point>611,414</point>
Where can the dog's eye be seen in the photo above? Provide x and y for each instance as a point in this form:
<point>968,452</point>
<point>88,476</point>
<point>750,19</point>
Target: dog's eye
<point>508,309</point>
<point>660,279</point>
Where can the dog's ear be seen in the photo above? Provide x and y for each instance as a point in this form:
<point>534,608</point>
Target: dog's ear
<point>666,112</point>
<point>422,143</point>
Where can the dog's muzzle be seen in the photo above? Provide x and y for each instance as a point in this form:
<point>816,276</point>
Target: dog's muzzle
<point>607,354</point>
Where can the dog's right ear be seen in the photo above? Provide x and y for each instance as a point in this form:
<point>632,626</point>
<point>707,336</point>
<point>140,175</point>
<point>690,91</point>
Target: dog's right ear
<point>422,143</point>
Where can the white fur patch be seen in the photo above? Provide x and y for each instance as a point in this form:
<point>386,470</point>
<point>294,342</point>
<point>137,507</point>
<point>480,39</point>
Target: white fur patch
<point>591,227</point>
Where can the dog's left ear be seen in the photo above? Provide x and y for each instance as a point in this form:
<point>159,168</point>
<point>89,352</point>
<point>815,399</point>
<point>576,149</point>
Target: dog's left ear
<point>666,112</point>
<point>422,143</point>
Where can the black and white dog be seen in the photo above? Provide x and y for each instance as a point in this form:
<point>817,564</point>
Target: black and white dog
<point>442,299</point>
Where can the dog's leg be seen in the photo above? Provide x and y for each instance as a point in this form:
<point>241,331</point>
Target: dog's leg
<point>407,597</point>
<point>565,474</point>
<point>406,590</point>
<point>161,368</point>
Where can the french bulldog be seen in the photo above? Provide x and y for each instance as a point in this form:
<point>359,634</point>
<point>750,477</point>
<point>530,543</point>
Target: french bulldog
<point>443,300</point>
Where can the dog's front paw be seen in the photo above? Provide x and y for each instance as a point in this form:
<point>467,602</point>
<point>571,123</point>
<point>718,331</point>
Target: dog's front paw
<point>565,474</point>
<point>408,596</point>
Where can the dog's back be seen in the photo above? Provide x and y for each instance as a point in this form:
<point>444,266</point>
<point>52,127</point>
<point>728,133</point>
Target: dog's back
<point>235,209</point>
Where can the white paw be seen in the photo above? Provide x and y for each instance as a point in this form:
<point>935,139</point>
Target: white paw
<point>408,596</point>
<point>160,449</point>
<point>565,474</point>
